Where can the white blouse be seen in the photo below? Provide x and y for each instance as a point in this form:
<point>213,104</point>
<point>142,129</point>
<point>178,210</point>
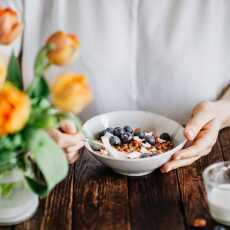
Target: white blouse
<point>161,56</point>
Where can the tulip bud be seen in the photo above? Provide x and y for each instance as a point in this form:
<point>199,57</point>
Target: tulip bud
<point>71,93</point>
<point>10,26</point>
<point>14,109</point>
<point>65,48</point>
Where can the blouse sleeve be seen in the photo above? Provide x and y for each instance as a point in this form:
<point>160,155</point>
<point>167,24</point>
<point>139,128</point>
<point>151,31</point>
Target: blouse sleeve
<point>15,47</point>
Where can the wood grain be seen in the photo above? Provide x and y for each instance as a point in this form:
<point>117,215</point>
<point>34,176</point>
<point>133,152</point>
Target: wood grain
<point>155,202</point>
<point>5,228</point>
<point>93,197</point>
<point>55,212</point>
<point>193,193</point>
<point>100,197</point>
<point>225,143</point>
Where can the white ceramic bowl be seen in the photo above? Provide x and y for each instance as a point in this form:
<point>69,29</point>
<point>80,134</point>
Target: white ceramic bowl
<point>137,119</point>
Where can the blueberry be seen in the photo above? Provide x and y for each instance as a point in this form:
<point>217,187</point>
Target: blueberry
<point>101,134</point>
<point>140,134</point>
<point>165,136</point>
<point>126,137</point>
<point>113,140</point>
<point>144,155</point>
<point>109,130</point>
<point>219,227</point>
<point>150,139</point>
<point>128,129</point>
<point>118,131</point>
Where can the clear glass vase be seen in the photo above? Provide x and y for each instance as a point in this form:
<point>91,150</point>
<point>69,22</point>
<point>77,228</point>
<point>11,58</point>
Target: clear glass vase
<point>17,202</point>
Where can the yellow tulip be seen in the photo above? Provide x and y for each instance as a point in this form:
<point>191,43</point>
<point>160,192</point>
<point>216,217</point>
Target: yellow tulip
<point>71,93</point>
<point>66,48</point>
<point>14,109</point>
<point>10,26</point>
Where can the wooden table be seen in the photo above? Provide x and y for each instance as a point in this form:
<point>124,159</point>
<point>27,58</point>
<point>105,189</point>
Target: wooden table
<point>93,197</point>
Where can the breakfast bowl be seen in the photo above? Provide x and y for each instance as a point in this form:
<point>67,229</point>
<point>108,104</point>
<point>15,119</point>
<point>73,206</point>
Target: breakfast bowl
<point>148,121</point>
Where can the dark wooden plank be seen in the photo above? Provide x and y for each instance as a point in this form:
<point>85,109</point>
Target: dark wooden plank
<point>192,188</point>
<point>55,212</point>
<point>100,197</point>
<point>155,202</point>
<point>5,228</point>
<point>225,143</point>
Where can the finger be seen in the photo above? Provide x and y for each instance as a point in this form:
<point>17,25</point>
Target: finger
<point>197,122</point>
<point>72,157</point>
<point>65,140</point>
<point>184,162</point>
<point>55,134</point>
<point>75,147</point>
<point>68,127</point>
<point>204,141</point>
<point>187,154</point>
<point>171,165</point>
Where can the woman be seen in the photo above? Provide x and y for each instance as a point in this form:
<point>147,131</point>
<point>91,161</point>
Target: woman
<point>161,56</point>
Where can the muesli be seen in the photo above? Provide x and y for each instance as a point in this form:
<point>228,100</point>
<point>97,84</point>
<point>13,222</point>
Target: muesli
<point>128,140</point>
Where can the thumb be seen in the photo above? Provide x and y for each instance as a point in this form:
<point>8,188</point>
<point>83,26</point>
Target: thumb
<point>68,127</point>
<point>196,123</point>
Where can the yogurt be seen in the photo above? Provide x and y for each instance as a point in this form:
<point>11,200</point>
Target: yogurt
<point>219,203</point>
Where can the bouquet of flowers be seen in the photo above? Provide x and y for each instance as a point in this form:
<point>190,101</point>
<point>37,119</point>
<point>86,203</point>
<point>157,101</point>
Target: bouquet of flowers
<point>26,114</point>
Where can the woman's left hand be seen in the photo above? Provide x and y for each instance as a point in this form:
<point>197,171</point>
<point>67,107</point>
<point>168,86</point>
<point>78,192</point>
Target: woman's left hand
<point>201,132</point>
<point>68,139</point>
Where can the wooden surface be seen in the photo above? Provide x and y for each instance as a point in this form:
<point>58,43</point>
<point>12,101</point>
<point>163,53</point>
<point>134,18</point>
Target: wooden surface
<point>93,197</point>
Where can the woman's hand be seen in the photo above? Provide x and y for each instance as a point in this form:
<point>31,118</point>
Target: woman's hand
<point>69,139</point>
<point>201,132</point>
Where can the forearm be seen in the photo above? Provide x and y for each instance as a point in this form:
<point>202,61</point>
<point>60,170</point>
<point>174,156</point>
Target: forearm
<point>223,112</point>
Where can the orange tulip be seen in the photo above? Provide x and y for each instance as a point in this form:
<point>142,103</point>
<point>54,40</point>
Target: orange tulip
<point>10,26</point>
<point>66,48</point>
<point>71,93</point>
<point>14,109</point>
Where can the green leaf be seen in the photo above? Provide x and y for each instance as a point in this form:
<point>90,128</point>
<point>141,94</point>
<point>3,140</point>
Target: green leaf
<point>38,89</point>
<point>7,189</point>
<point>14,74</point>
<point>49,159</point>
<point>7,157</point>
<point>11,142</point>
<point>43,116</point>
<point>37,187</point>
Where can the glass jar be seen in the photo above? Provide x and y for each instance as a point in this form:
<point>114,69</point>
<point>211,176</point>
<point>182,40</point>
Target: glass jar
<point>17,202</point>
<point>217,183</point>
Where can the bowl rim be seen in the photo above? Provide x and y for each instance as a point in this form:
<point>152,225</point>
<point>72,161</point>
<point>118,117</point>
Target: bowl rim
<point>179,146</point>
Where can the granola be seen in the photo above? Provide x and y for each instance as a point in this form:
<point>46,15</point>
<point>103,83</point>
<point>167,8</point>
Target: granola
<point>128,140</point>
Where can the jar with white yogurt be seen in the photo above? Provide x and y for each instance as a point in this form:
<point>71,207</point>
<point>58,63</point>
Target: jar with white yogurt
<point>217,183</point>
